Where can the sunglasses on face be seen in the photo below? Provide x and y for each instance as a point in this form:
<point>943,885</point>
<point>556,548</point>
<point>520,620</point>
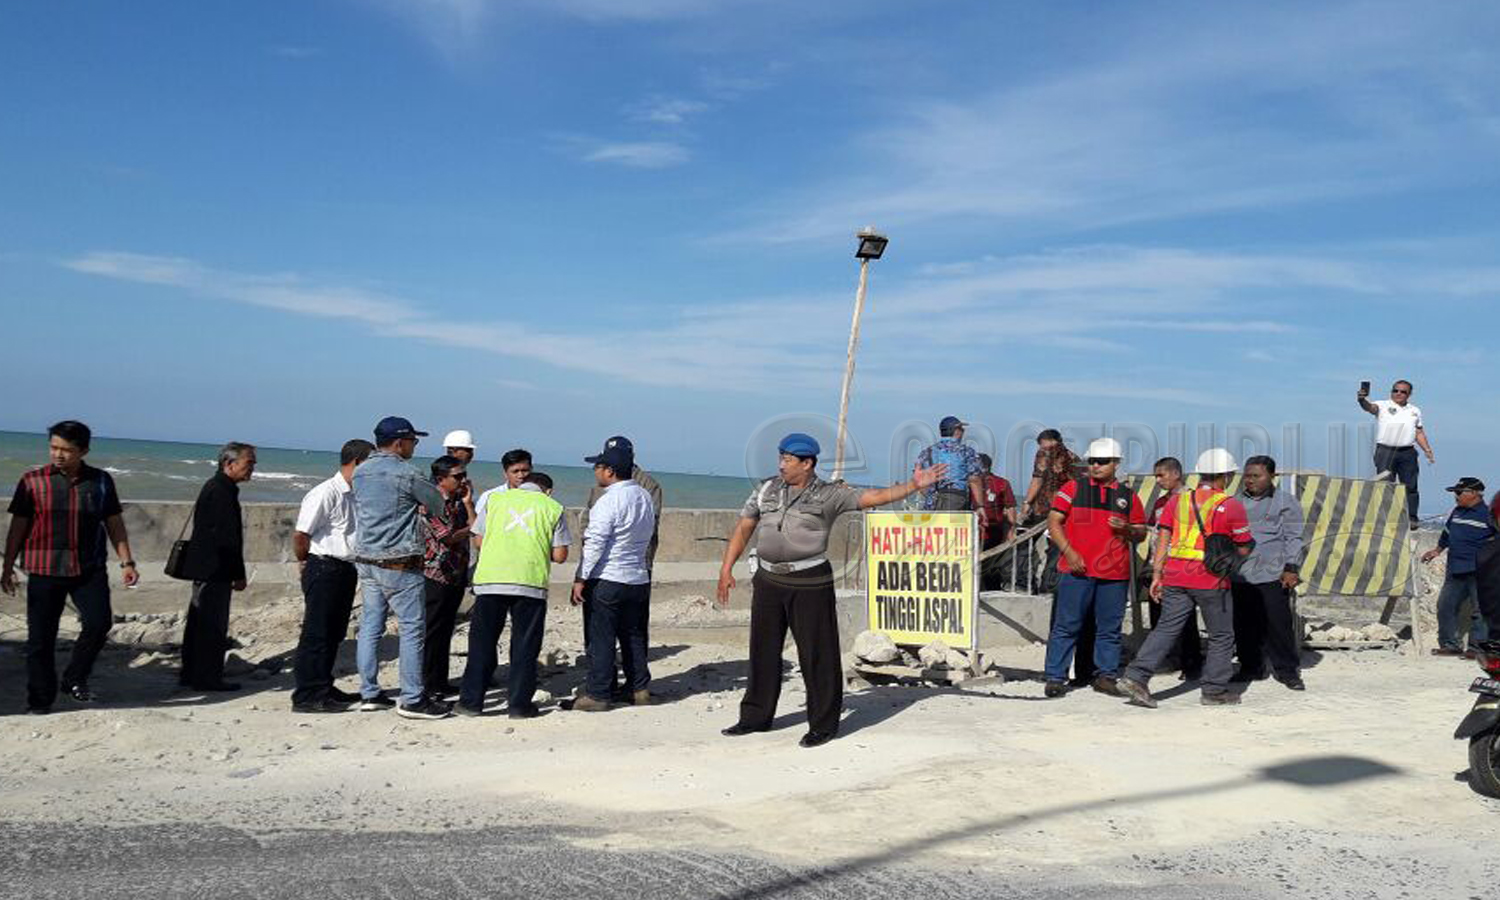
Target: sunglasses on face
<point>1400,391</point>
<point>1099,461</point>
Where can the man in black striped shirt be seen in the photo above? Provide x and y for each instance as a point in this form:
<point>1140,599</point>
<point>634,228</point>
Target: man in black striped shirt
<point>60,517</point>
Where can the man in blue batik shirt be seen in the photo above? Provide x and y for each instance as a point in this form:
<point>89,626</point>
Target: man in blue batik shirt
<point>963,485</point>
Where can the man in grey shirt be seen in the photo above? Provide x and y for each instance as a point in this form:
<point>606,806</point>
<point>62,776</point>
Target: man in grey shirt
<point>1264,625</point>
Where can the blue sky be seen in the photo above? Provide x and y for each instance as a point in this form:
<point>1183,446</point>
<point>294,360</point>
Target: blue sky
<point>554,221</point>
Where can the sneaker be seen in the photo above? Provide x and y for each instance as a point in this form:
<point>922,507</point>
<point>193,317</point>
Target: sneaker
<point>377,703</point>
<point>1138,693</point>
<point>79,692</point>
<point>1227,698</point>
<point>1055,689</point>
<point>426,708</point>
<point>467,711</point>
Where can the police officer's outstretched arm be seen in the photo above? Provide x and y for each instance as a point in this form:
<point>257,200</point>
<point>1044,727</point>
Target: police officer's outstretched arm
<point>738,540</point>
<point>921,479</point>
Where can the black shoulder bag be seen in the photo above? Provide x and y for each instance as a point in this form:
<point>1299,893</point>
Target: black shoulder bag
<point>1220,556</point>
<point>177,558</point>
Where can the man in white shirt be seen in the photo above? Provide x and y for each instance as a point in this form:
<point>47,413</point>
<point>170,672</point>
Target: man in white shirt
<point>324,547</point>
<point>1398,428</point>
<point>615,579</point>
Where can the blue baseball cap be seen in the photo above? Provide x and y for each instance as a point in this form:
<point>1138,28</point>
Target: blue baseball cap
<point>799,444</point>
<point>618,454</point>
<point>393,427</point>
<point>950,424</point>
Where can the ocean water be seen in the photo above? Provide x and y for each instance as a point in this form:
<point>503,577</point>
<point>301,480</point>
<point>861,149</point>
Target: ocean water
<point>166,470</point>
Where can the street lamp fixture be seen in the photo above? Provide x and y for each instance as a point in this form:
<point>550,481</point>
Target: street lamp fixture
<point>871,245</point>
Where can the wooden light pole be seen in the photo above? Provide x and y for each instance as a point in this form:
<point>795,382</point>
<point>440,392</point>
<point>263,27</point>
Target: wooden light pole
<point>871,246</point>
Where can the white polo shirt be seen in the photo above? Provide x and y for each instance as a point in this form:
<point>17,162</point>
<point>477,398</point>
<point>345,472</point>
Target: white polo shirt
<point>1396,425</point>
<point>327,517</point>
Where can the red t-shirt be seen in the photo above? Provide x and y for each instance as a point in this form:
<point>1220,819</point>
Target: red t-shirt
<point>1227,518</point>
<point>998,497</point>
<point>1105,554</point>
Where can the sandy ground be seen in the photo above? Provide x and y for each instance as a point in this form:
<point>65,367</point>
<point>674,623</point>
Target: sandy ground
<point>1355,788</point>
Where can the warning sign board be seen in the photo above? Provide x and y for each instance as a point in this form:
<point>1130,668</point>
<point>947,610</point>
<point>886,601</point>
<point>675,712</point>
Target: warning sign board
<point>921,583</point>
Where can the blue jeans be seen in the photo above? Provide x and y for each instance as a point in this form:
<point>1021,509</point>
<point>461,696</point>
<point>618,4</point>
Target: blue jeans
<point>617,612</point>
<point>404,593</point>
<point>1459,592</point>
<point>1078,597</point>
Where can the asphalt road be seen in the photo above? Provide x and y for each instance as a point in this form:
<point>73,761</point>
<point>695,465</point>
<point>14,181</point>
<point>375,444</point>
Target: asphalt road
<point>45,862</point>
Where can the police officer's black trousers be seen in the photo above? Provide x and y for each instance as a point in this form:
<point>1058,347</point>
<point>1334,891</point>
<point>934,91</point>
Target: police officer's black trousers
<point>1264,627</point>
<point>803,601</point>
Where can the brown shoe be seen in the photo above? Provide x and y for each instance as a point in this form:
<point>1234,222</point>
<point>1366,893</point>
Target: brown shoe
<point>585,703</point>
<point>641,698</point>
<point>1138,693</point>
<point>1447,651</point>
<point>1106,685</point>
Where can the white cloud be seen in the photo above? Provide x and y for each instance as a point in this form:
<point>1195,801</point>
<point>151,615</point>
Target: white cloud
<point>1230,108</point>
<point>659,110</point>
<point>295,51</point>
<point>639,154</point>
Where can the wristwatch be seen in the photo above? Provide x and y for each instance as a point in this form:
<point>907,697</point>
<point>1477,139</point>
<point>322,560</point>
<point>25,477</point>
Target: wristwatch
<point>127,564</point>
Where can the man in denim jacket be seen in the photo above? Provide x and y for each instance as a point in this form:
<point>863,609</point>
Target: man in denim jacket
<point>390,500</point>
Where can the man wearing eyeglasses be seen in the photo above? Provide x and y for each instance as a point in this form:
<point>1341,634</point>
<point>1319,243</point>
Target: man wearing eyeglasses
<point>446,567</point>
<point>1398,429</point>
<point>390,498</point>
<point>1468,529</point>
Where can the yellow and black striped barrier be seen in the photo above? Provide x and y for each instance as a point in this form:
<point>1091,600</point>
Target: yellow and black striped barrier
<point>1355,540</point>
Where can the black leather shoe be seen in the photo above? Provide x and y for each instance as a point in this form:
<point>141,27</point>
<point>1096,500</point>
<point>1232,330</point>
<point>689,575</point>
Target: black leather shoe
<point>739,728</point>
<point>325,705</point>
<point>1294,683</point>
<point>344,696</point>
<point>1055,689</point>
<point>79,692</point>
<point>217,686</point>
<point>817,738</point>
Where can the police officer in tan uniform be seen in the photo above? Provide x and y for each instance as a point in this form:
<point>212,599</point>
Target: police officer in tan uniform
<point>789,518</point>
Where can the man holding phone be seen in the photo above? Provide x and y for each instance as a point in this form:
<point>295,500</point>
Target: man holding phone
<point>1398,429</point>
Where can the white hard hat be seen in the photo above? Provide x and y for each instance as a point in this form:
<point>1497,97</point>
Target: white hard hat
<point>1217,461</point>
<point>1104,448</point>
<point>459,438</point>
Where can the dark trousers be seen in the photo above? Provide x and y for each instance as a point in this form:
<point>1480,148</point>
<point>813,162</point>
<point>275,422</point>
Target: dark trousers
<point>1189,649</point>
<point>951,499</point>
<point>1488,584</point>
<point>1177,606</point>
<point>1095,600</point>
<point>803,601</point>
<point>1265,627</point>
<point>617,615</point>
<point>443,601</point>
<point>45,596</point>
<point>328,587</point>
<point>1083,646</point>
<point>1401,462</point>
<point>205,637</point>
<point>588,614</point>
<point>528,619</point>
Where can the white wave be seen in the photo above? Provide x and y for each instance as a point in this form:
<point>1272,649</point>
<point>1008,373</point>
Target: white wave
<point>283,476</point>
<point>113,471</point>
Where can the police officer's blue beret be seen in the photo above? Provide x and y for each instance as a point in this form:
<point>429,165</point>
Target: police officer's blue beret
<point>799,444</point>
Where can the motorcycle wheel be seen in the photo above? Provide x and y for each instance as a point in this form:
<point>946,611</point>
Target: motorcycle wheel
<point>1484,763</point>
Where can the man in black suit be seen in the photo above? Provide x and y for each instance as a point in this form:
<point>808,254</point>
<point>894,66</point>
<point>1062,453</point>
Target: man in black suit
<point>216,563</point>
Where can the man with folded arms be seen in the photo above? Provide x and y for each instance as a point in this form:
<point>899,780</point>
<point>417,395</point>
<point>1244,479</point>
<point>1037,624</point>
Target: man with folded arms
<point>390,500</point>
<point>1264,625</point>
<point>324,546</point>
<point>614,578</point>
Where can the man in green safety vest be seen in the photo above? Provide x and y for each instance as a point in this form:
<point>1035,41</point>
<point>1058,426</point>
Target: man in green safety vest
<point>521,534</point>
